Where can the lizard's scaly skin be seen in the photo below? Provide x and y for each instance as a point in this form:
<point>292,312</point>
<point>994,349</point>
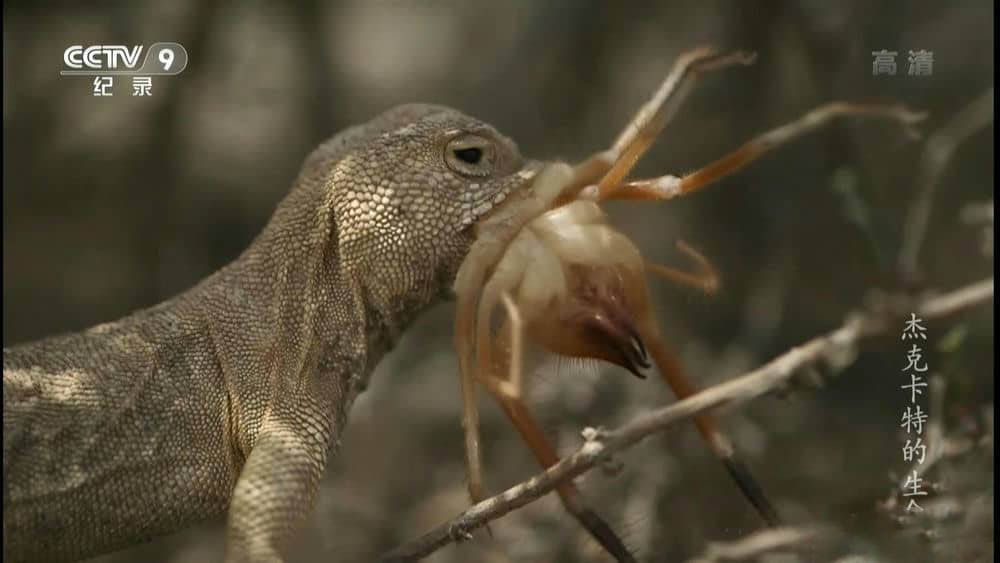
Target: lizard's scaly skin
<point>233,394</point>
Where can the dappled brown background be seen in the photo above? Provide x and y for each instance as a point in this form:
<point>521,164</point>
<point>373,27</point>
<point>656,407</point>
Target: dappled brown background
<point>113,204</point>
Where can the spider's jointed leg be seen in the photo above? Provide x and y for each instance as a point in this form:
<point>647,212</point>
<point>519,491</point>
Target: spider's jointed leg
<point>668,187</point>
<point>671,371</point>
<point>507,391</point>
<point>706,279</point>
<point>470,406</point>
<point>610,167</point>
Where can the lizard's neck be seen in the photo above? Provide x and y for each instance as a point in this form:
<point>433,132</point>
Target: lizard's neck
<point>322,302</point>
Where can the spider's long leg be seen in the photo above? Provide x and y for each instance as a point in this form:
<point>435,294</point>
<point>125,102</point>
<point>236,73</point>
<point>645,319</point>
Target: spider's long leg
<point>667,187</point>
<point>508,394</point>
<point>475,286</point>
<point>612,165</point>
<point>464,343</point>
<point>722,447</point>
<point>706,279</point>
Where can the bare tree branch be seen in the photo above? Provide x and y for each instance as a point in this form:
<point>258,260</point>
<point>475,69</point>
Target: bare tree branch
<point>836,348</point>
<point>937,152</point>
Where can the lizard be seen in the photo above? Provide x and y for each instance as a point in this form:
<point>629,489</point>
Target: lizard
<point>230,398</point>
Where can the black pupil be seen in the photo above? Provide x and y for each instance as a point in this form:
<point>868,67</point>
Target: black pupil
<point>470,155</point>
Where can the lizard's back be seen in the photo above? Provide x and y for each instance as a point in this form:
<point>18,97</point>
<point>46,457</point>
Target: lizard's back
<point>110,435</point>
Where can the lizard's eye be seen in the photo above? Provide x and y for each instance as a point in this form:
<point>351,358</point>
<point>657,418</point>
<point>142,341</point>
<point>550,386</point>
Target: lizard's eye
<point>470,155</point>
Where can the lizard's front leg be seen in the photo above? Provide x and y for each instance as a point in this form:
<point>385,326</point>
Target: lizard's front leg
<point>276,489</point>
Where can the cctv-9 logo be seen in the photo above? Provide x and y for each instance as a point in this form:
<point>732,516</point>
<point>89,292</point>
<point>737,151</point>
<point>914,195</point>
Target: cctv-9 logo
<point>163,58</point>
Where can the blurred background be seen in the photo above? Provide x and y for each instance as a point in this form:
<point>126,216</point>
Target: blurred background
<point>116,203</point>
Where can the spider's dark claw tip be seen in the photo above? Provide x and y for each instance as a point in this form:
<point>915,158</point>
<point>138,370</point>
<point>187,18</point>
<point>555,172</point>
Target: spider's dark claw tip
<point>635,371</point>
<point>604,535</point>
<point>752,490</point>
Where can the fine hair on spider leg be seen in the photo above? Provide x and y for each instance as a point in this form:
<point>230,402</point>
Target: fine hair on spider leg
<point>564,278</point>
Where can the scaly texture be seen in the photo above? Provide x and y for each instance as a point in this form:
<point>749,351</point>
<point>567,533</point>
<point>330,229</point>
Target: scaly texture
<point>233,394</point>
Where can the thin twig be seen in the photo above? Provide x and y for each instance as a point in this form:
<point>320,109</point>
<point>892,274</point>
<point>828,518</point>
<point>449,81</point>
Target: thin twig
<point>759,543</point>
<point>937,152</point>
<point>600,444</point>
<point>981,214</point>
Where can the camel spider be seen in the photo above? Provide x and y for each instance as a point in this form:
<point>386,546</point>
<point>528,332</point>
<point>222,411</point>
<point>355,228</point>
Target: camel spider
<point>569,281</point>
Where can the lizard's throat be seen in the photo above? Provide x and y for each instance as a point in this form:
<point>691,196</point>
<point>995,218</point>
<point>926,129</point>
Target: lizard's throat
<point>389,311</point>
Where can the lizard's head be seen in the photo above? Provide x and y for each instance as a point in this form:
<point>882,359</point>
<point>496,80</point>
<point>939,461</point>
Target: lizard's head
<point>407,192</point>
